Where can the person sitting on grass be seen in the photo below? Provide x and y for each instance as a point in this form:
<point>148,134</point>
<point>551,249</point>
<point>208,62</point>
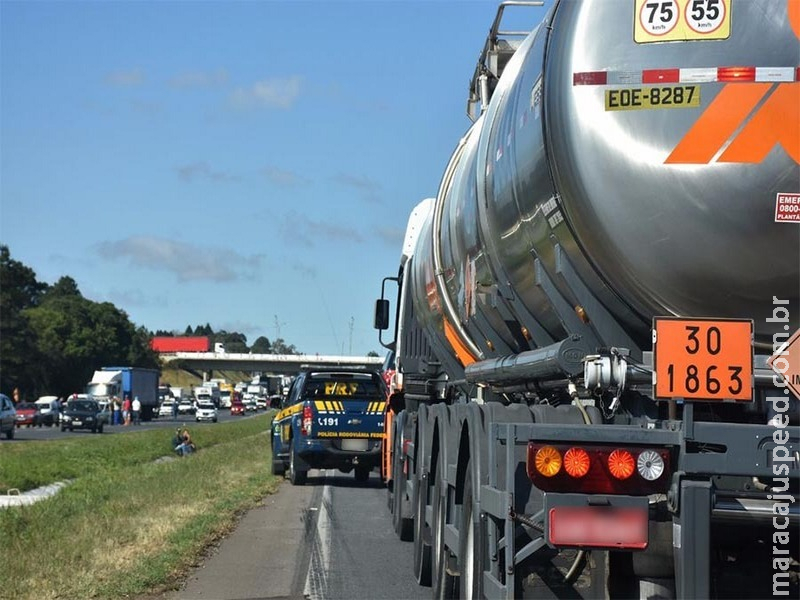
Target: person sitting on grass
<point>177,439</point>
<point>186,445</point>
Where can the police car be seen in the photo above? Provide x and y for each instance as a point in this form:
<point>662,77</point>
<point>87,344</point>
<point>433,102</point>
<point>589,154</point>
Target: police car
<point>332,419</point>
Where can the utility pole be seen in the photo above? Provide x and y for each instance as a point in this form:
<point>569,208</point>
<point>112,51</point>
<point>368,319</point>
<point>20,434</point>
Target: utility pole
<point>352,320</point>
<point>278,327</point>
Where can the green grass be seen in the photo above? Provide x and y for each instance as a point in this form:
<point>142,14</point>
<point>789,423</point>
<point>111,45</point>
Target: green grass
<point>126,525</point>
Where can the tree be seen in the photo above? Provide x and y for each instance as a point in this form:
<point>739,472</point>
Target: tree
<point>76,336</point>
<point>372,353</point>
<point>279,347</point>
<point>20,363</point>
<point>261,346</point>
<point>234,342</point>
<point>65,287</point>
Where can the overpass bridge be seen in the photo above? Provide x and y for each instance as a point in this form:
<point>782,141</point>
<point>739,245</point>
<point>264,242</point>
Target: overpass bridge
<point>278,364</point>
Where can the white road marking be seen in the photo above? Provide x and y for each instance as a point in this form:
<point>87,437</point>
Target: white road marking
<point>316,586</point>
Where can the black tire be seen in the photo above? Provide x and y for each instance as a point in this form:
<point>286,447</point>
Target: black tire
<point>63,428</point>
<point>422,535</point>
<point>100,429</point>
<point>444,584</point>
<point>296,476</point>
<point>278,466</point>
<point>94,429</point>
<point>10,434</point>
<point>472,552</point>
<point>362,474</point>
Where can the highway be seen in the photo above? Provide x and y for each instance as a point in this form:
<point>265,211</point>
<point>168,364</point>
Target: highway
<point>330,539</point>
<point>24,433</point>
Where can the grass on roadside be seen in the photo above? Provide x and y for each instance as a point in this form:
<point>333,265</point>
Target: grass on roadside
<point>126,525</point>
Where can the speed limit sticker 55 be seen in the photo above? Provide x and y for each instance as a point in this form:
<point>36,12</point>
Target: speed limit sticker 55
<point>668,20</point>
<point>703,359</point>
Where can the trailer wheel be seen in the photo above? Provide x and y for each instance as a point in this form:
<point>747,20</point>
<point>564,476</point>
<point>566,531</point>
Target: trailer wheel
<point>296,476</point>
<point>422,535</point>
<point>472,552</point>
<point>444,584</point>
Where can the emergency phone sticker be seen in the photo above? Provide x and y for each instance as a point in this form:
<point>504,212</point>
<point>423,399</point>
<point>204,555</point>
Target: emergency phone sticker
<point>671,20</point>
<point>787,208</point>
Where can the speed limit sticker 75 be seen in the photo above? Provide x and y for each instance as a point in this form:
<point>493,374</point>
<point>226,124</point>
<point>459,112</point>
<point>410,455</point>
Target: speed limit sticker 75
<point>703,359</point>
<point>669,20</point>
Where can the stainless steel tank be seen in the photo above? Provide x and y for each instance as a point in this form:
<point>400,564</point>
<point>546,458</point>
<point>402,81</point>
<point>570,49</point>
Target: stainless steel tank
<point>566,210</point>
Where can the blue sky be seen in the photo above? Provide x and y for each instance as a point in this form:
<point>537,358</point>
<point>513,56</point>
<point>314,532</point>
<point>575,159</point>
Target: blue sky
<point>245,164</point>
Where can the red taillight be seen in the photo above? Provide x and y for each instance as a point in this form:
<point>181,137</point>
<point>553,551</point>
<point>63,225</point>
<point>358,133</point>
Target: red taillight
<point>576,462</point>
<point>305,426</point>
<point>730,74</point>
<point>598,469</point>
<point>621,464</point>
<point>590,78</point>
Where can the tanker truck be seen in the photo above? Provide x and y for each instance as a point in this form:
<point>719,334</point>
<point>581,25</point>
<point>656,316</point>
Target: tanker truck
<point>589,314</point>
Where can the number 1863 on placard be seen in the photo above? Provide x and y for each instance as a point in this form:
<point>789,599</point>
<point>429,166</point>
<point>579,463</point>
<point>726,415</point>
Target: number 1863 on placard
<point>703,359</point>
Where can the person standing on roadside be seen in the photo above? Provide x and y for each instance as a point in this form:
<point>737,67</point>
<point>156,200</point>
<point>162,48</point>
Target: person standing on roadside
<point>126,410</point>
<point>174,409</point>
<point>116,416</point>
<point>136,407</point>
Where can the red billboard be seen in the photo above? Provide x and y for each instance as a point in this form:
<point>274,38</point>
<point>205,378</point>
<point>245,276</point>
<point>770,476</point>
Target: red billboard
<point>167,344</point>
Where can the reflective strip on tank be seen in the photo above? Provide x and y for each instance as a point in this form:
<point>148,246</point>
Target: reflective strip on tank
<point>689,75</point>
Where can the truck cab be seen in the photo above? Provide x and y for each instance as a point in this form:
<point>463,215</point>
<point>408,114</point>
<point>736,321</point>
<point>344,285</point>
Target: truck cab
<point>332,419</point>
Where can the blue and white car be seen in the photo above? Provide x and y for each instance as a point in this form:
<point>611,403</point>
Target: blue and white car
<point>332,419</point>
<point>206,411</point>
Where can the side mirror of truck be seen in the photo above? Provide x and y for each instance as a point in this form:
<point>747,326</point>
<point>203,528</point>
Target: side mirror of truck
<point>382,314</point>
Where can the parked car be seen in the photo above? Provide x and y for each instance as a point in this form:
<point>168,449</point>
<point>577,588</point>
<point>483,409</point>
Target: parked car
<point>27,414</point>
<point>237,407</point>
<point>8,416</point>
<point>206,411</point>
<point>84,414</point>
<point>165,410</point>
<point>186,407</point>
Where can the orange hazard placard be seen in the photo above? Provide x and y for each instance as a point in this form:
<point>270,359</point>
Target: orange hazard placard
<point>703,359</point>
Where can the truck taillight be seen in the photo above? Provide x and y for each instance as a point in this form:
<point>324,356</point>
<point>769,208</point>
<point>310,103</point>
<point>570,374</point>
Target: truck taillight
<point>305,426</point>
<point>598,469</point>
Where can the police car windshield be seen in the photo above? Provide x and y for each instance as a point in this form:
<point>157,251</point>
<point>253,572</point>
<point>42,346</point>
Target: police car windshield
<point>344,388</point>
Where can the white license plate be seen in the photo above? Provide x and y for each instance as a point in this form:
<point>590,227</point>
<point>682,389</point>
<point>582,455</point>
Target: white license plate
<point>590,527</point>
<point>77,423</point>
<point>355,445</point>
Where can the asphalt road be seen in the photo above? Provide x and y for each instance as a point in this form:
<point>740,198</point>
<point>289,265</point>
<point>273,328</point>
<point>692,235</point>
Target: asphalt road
<point>24,433</point>
<point>330,539</point>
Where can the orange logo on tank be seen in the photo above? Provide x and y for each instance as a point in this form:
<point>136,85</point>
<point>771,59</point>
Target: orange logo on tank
<point>752,132</point>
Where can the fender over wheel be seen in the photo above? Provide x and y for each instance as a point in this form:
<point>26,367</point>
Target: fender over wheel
<point>296,475</point>
<point>422,534</point>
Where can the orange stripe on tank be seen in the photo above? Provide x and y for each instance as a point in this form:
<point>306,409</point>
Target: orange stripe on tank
<point>464,356</point>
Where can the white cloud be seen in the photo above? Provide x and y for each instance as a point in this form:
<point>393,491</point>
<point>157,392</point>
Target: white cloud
<point>268,93</point>
<point>188,262</point>
<point>299,229</point>
<point>369,189</point>
<point>284,178</point>
<point>199,79</point>
<point>125,78</point>
<point>202,170</point>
